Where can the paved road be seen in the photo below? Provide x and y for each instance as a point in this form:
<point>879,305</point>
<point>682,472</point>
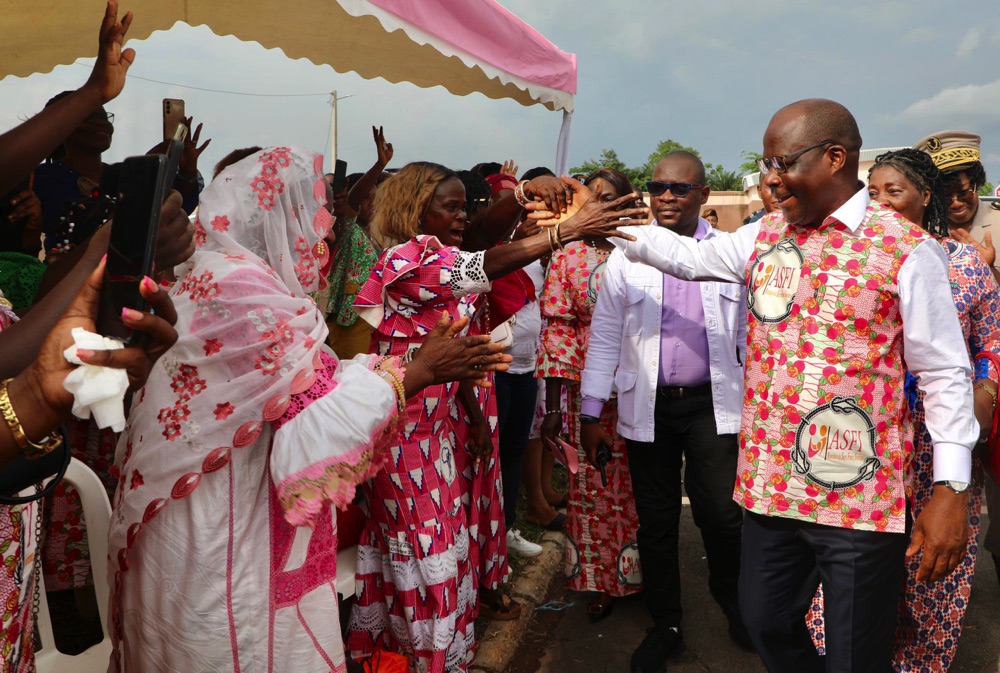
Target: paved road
<point>565,642</point>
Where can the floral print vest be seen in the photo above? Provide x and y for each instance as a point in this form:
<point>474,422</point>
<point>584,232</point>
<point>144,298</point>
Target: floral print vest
<point>827,436</point>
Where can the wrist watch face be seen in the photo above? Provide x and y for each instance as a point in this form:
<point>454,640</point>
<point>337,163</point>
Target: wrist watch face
<point>957,486</point>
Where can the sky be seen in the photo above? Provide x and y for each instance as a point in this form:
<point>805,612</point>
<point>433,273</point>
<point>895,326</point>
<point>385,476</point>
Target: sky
<point>708,75</point>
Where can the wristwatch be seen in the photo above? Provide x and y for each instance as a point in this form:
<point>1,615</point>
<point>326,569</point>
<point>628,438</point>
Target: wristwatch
<point>956,486</point>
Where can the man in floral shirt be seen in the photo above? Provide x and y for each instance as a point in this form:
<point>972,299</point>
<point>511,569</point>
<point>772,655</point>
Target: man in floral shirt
<point>839,290</point>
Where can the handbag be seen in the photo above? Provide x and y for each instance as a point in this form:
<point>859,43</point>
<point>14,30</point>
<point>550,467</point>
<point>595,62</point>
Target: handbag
<point>23,473</point>
<point>989,451</point>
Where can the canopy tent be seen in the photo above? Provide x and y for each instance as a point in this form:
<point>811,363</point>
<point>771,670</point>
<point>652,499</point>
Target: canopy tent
<point>465,46</point>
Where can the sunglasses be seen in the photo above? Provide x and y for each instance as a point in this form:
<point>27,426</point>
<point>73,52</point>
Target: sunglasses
<point>678,189</point>
<point>782,162</point>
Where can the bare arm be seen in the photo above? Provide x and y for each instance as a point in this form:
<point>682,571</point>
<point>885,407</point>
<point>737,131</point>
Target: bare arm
<point>360,190</point>
<point>28,144</point>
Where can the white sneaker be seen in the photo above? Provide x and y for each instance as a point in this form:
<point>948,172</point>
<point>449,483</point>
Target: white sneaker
<point>520,546</point>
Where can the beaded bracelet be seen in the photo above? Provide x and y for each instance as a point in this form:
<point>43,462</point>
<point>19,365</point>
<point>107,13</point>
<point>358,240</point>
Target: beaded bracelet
<point>519,196</point>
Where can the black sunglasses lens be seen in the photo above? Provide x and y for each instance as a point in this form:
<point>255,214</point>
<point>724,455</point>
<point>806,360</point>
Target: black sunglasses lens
<point>655,188</point>
<point>680,189</point>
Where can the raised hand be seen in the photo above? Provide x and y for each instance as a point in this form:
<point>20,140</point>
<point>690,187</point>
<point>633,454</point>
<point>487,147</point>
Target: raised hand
<point>509,168</point>
<point>189,158</point>
<point>108,76</point>
<point>985,248</point>
<point>594,218</point>
<point>383,148</point>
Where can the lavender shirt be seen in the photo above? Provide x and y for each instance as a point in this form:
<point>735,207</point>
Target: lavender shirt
<point>683,341</point>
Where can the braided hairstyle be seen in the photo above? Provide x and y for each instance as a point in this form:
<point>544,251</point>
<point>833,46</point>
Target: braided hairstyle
<point>919,168</point>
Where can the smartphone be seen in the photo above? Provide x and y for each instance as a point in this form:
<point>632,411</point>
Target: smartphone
<point>339,176</point>
<point>173,116</point>
<point>144,184</point>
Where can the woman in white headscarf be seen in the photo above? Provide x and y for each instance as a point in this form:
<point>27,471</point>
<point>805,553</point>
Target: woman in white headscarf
<point>223,543</point>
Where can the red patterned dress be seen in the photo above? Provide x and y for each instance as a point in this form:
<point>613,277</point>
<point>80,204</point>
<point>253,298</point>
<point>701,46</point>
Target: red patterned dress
<point>416,582</point>
<point>601,521</point>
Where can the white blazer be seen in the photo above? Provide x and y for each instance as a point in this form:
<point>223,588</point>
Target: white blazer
<point>625,345</point>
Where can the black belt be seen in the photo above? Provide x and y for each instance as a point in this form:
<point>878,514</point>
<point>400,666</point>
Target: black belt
<point>683,392</point>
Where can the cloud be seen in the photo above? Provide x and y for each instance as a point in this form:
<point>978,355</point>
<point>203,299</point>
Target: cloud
<point>968,44</point>
<point>968,105</point>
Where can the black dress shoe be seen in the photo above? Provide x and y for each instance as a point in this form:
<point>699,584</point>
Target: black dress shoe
<point>659,643</point>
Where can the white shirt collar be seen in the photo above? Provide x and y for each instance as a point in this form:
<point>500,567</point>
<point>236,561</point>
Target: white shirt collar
<point>852,213</point>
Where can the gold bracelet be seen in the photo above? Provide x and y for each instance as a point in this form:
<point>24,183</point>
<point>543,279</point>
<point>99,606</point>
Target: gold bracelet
<point>393,380</point>
<point>992,393</point>
<point>28,447</point>
<point>558,240</point>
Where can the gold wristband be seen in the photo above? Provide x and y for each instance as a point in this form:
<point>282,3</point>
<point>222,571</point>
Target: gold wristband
<point>980,385</point>
<point>558,240</point>
<point>29,448</point>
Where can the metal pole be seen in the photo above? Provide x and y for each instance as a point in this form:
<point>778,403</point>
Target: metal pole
<point>333,131</point>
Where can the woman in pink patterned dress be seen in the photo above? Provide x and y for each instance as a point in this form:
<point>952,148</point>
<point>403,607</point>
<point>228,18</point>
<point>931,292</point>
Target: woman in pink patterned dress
<point>930,615</point>
<point>223,542</point>
<point>416,577</point>
<point>601,520</point>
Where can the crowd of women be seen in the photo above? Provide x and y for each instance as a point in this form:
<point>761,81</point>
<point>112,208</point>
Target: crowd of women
<point>310,352</point>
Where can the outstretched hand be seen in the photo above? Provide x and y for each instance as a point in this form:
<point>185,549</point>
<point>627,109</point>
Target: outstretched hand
<point>446,357</point>
<point>113,62</point>
<point>595,218</point>
<point>509,168</point>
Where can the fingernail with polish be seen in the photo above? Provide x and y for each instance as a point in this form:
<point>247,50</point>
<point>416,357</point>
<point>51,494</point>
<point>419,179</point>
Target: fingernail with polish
<point>84,353</point>
<point>129,314</point>
<point>150,284</point>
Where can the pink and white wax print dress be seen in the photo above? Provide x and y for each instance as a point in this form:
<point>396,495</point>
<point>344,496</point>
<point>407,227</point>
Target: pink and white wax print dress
<point>601,521</point>
<point>416,587</point>
<point>223,543</point>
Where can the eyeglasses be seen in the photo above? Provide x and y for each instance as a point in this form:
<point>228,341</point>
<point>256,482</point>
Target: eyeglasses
<point>99,116</point>
<point>782,162</point>
<point>959,195</point>
<point>678,189</point>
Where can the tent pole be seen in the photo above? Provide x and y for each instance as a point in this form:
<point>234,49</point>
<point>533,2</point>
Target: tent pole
<point>562,146</point>
<point>333,130</point>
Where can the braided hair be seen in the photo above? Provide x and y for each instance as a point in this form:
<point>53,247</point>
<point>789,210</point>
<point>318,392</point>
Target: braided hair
<point>919,168</point>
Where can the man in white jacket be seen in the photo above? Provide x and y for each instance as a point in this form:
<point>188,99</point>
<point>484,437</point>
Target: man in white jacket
<point>674,350</point>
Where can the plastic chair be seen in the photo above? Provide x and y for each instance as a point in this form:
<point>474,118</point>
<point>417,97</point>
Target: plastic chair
<point>97,514</point>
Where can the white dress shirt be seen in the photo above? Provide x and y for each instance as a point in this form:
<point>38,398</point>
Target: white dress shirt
<point>932,337</point>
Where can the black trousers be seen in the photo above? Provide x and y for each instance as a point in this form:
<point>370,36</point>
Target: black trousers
<point>516,396</point>
<point>784,561</point>
<point>686,427</point>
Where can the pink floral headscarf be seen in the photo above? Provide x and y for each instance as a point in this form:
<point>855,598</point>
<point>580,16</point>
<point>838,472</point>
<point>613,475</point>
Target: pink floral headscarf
<point>249,339</point>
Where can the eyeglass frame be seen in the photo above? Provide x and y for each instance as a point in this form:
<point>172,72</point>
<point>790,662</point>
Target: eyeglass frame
<point>766,164</point>
<point>960,194</point>
<point>687,187</point>
<point>96,117</point>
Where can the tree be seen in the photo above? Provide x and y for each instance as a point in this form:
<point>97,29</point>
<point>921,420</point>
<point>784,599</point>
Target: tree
<point>749,164</point>
<point>721,180</point>
<point>609,159</point>
<point>717,177</point>
<point>986,189</point>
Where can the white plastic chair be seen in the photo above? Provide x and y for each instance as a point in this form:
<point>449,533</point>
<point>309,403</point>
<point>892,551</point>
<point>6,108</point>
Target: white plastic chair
<point>97,514</point>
